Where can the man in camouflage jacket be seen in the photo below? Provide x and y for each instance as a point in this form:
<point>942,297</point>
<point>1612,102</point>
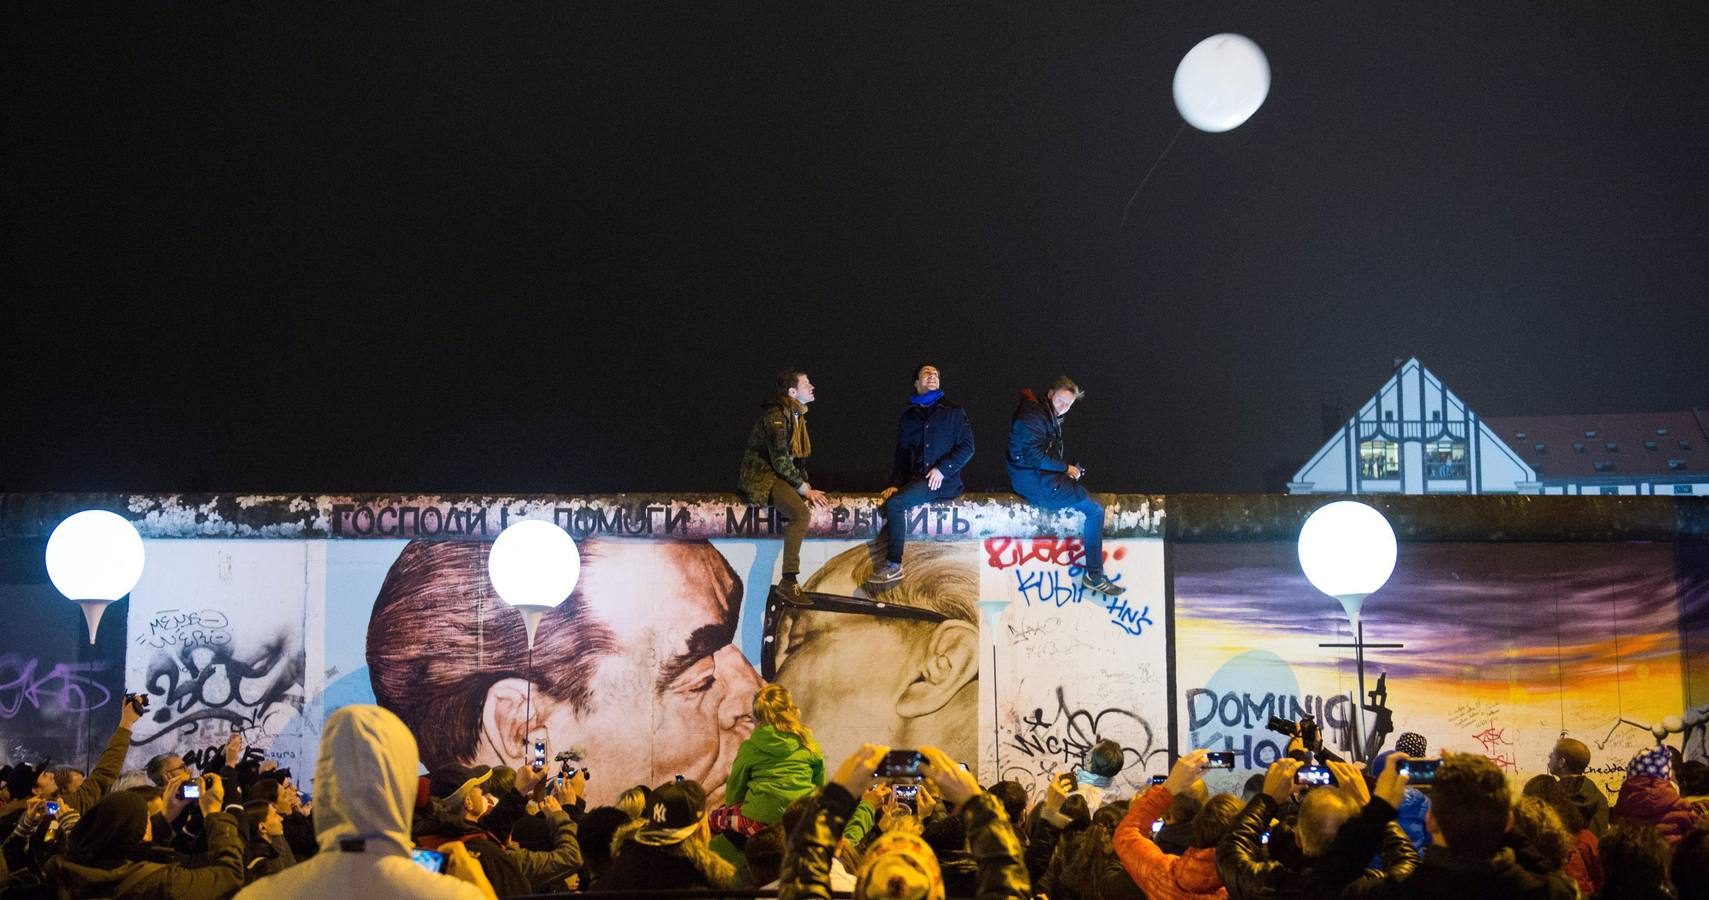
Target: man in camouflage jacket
<point>772,471</point>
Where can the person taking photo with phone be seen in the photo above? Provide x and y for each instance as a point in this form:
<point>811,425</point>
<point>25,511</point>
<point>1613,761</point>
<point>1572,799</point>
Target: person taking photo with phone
<point>1166,876</point>
<point>109,853</point>
<point>1249,871</point>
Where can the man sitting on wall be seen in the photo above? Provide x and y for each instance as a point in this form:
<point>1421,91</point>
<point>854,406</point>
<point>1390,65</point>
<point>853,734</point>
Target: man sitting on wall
<point>1039,472</point>
<point>934,442</point>
<point>772,471</point>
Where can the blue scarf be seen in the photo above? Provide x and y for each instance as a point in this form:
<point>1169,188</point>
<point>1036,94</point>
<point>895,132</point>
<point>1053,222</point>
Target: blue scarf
<point>926,399</point>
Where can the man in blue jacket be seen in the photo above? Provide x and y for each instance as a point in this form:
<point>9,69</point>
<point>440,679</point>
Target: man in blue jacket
<point>933,444</point>
<point>1039,472</point>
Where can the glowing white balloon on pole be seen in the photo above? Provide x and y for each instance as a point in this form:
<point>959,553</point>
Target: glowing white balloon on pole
<point>94,557</point>
<point>534,566</point>
<point>1221,82</point>
<point>1347,550</point>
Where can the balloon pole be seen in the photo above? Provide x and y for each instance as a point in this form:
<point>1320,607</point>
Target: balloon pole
<point>1148,172</point>
<point>92,610</point>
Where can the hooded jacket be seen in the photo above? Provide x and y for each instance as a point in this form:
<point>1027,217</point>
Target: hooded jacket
<point>772,770</point>
<point>1590,800</point>
<point>1163,876</point>
<point>366,786</point>
<point>118,868</point>
<point>1655,801</point>
<point>1036,454</point>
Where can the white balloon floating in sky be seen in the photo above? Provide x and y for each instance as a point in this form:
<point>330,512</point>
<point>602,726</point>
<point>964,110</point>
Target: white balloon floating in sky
<point>534,566</point>
<point>94,557</point>
<point>1221,82</point>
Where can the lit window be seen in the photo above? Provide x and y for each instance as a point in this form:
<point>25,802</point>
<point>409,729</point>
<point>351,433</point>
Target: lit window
<point>1661,432</point>
<point>1612,447</point>
<point>1379,459</point>
<point>1610,490</point>
<point>1578,446</point>
<point>1603,465</point>
<point>1445,459</point>
<point>1649,445</point>
<point>1519,435</point>
<point>1539,447</point>
<point>1676,465</point>
<point>1590,434</point>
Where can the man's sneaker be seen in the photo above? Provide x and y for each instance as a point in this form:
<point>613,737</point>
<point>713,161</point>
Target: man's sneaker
<point>791,593</point>
<point>1096,581</point>
<point>889,573</point>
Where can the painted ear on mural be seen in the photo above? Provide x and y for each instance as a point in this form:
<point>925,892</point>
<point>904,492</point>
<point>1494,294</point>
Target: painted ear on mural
<point>504,722</point>
<point>944,664</point>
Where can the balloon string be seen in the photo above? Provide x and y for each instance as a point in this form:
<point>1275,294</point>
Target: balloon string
<point>1166,148</point>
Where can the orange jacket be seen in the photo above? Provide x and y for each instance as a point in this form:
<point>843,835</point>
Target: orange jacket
<point>1164,876</point>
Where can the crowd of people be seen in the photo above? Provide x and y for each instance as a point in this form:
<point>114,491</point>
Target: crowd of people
<point>910,824</point>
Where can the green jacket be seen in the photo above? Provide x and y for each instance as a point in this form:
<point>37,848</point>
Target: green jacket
<point>772,770</point>
<point>768,457</point>
<point>807,859</point>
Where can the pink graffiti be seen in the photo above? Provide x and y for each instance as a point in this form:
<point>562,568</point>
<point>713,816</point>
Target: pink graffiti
<point>1006,553</point>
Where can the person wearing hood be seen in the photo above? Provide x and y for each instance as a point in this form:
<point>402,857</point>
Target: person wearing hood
<point>1040,473</point>
<point>775,766</point>
<point>900,865</point>
<point>1648,796</point>
<point>1165,876</point>
<point>1568,761</point>
<point>668,846</point>
<point>366,790</point>
<point>109,853</point>
<point>772,473</point>
<point>934,442</point>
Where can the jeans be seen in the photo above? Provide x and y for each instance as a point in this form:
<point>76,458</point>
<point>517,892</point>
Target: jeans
<point>1058,491</point>
<point>896,509</point>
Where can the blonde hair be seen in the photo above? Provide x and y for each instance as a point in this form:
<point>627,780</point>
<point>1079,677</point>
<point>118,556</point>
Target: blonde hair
<point>1322,813</point>
<point>773,706</point>
<point>633,801</point>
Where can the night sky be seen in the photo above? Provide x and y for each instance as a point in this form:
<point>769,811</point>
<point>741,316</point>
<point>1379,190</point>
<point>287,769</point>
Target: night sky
<point>564,247</point>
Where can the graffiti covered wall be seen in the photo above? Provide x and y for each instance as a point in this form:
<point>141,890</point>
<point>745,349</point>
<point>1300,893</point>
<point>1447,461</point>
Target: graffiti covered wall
<point>1521,619</point>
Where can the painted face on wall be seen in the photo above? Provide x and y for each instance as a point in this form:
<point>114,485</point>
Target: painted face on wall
<point>674,696</point>
<point>862,678</point>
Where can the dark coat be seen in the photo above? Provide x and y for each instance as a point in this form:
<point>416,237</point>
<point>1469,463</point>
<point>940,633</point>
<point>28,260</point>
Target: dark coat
<point>641,867</point>
<point>937,436</point>
<point>1592,803</point>
<point>1444,873</point>
<point>1036,461</point>
<point>1245,871</point>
